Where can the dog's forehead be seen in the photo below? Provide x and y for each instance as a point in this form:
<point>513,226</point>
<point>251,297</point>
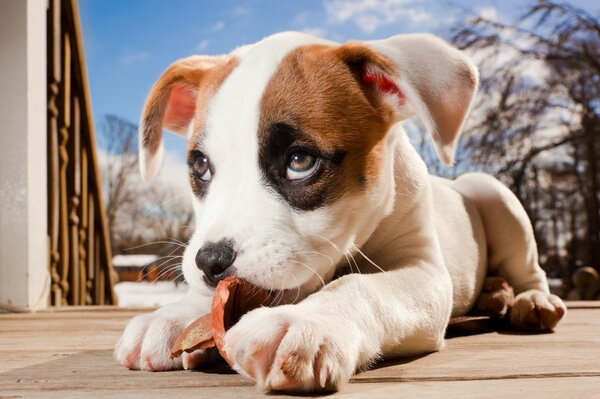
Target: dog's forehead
<point>234,111</point>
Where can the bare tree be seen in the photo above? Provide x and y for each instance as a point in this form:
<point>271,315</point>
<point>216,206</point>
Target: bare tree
<point>119,140</point>
<point>536,120</point>
<point>143,217</point>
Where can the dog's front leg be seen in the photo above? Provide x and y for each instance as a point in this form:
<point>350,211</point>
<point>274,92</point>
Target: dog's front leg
<point>320,342</point>
<point>147,340</point>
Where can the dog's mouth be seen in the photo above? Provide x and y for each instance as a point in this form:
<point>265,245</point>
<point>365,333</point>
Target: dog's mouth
<point>212,281</point>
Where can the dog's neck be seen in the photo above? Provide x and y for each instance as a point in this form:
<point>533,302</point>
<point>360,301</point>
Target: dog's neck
<point>408,228</point>
<point>400,160</point>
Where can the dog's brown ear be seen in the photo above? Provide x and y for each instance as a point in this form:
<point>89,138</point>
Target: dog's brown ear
<point>172,105</point>
<point>420,74</point>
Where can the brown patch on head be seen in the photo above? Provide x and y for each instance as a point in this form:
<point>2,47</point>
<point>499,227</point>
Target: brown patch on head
<point>210,85</point>
<point>317,101</point>
<point>180,94</point>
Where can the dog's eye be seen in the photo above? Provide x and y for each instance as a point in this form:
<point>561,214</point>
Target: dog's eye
<point>201,167</point>
<point>300,165</point>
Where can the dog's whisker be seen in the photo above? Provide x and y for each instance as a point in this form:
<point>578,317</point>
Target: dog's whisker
<point>167,270</point>
<point>160,272</point>
<point>177,277</point>
<point>355,262</point>
<point>329,242</point>
<point>171,257</point>
<point>311,269</point>
<point>175,241</point>
<point>279,297</point>
<point>154,208</point>
<point>275,301</point>
<point>297,289</point>
<point>253,292</point>
<point>152,243</point>
<point>369,260</point>
<point>342,253</point>
<point>144,275</point>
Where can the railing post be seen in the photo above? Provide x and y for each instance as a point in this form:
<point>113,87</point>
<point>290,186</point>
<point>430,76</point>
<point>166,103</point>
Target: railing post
<point>79,250</point>
<point>24,276</point>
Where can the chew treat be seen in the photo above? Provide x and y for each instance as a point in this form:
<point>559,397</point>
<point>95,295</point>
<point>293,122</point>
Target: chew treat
<point>197,335</point>
<point>233,298</point>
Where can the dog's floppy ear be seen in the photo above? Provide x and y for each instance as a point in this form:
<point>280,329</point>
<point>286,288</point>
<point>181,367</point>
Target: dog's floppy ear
<point>420,74</point>
<point>172,104</point>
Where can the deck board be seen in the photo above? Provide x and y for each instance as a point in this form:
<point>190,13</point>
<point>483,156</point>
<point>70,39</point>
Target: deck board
<point>69,354</point>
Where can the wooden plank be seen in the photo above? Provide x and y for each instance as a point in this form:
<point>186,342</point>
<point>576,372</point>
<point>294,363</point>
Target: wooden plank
<point>547,388</point>
<point>583,304</point>
<point>574,349</point>
<point>69,354</point>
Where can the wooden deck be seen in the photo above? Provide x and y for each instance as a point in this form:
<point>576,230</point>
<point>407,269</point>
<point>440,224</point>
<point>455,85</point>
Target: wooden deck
<point>68,354</point>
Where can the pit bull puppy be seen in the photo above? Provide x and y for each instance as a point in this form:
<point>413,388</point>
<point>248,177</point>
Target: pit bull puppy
<point>299,168</point>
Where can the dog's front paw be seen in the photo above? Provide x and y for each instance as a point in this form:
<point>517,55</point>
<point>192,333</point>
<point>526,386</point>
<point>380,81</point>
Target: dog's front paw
<point>537,310</point>
<point>147,341</point>
<point>285,348</point>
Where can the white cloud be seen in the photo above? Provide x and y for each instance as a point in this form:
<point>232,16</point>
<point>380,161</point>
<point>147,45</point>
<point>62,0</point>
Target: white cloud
<point>301,18</point>
<point>488,12</point>
<point>319,32</point>
<point>368,23</point>
<point>370,15</point>
<point>417,16</point>
<point>131,58</point>
<point>241,11</point>
<point>202,45</point>
<point>218,26</point>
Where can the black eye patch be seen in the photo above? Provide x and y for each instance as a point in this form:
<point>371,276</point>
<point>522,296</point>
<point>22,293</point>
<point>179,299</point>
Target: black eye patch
<point>278,143</point>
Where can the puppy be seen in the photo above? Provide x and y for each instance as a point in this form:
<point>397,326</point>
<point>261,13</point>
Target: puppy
<point>299,169</point>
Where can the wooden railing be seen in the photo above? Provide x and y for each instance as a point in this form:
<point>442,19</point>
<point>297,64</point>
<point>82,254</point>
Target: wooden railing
<point>79,246</point>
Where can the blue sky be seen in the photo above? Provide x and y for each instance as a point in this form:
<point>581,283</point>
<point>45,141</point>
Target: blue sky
<point>128,43</point>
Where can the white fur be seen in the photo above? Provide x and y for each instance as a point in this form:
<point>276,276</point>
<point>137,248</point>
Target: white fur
<point>150,163</point>
<point>421,243</point>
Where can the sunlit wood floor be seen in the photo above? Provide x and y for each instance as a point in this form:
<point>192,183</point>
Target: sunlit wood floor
<point>68,354</point>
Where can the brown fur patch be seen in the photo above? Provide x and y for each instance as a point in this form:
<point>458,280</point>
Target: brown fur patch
<point>317,91</point>
<point>210,85</point>
<point>199,77</point>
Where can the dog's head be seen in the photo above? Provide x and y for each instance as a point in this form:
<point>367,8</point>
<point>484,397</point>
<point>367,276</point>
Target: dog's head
<point>290,146</point>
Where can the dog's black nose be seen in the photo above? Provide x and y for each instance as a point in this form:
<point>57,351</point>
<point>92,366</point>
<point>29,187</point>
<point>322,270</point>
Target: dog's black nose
<point>214,258</point>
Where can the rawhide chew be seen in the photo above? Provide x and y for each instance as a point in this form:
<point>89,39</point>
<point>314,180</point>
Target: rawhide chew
<point>233,298</point>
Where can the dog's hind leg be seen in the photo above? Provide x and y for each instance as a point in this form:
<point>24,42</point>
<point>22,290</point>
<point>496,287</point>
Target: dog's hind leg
<point>512,251</point>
